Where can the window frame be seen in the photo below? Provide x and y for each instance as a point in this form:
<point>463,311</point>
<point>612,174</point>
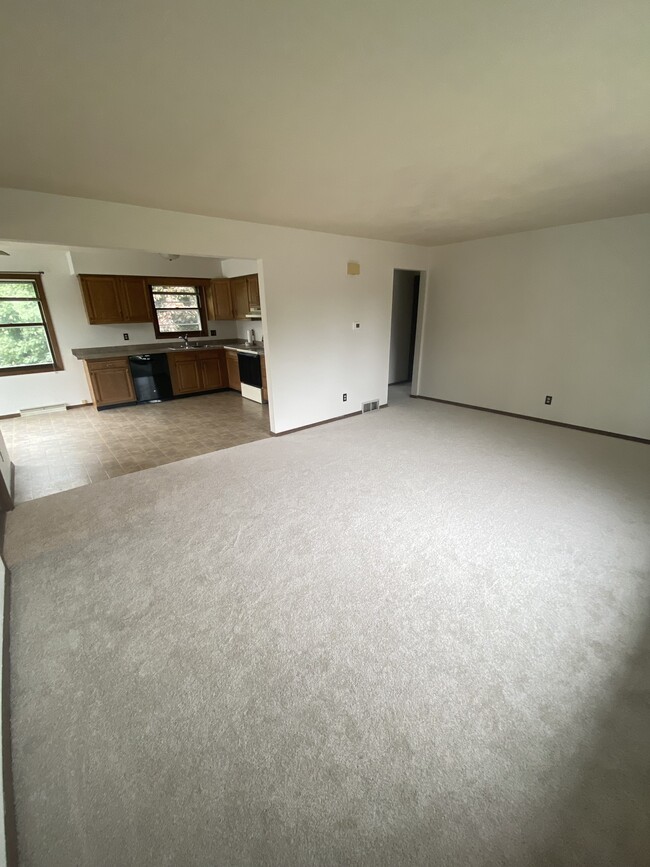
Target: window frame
<point>57,362</point>
<point>199,284</point>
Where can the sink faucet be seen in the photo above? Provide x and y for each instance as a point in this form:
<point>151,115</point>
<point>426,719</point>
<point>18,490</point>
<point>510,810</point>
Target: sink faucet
<point>186,341</point>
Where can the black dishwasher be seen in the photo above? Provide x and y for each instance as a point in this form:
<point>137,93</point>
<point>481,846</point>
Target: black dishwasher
<point>151,378</point>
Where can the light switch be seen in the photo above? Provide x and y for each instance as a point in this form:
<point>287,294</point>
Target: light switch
<point>354,269</point>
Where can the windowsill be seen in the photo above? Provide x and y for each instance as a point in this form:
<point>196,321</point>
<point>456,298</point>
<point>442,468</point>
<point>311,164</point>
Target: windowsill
<point>34,368</point>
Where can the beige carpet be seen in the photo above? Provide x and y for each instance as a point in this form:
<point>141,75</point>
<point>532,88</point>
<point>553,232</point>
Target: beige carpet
<point>415,637</point>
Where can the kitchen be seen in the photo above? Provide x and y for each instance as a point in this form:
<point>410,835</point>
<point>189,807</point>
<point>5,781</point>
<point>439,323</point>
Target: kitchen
<point>179,308</point>
<point>144,358</point>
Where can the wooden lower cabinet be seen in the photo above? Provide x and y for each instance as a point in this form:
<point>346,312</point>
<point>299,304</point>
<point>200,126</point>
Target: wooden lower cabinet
<point>185,375</point>
<point>265,391</point>
<point>195,371</point>
<point>191,372</point>
<point>232,363</point>
<point>212,373</point>
<point>110,382</point>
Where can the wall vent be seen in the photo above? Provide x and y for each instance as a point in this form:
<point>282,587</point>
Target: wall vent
<point>369,405</point>
<point>41,410</point>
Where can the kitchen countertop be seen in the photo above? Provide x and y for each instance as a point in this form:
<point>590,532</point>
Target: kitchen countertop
<point>98,352</point>
<point>257,348</point>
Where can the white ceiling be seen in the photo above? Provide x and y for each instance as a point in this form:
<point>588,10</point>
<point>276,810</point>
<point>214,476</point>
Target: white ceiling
<point>411,120</point>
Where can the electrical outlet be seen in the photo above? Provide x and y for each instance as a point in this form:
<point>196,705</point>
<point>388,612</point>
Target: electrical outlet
<point>345,397</point>
<point>356,325</point>
<point>549,399</point>
<point>126,335</point>
<point>213,333</point>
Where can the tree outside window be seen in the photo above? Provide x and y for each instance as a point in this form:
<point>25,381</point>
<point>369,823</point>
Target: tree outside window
<point>27,340</point>
<point>177,310</point>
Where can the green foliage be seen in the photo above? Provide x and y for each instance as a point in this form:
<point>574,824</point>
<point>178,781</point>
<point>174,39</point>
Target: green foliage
<point>24,289</point>
<point>27,345</point>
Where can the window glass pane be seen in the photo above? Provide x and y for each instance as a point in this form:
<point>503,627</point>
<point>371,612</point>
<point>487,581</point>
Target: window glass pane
<point>162,301</point>
<point>17,290</point>
<point>178,320</point>
<point>183,290</point>
<point>20,311</point>
<point>23,346</point>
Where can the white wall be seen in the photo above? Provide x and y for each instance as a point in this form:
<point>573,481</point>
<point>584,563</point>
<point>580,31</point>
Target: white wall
<point>562,311</point>
<point>238,267</point>
<point>5,464</point>
<point>3,662</point>
<point>92,260</point>
<point>244,326</point>
<point>400,326</point>
<point>69,317</point>
<point>308,302</point>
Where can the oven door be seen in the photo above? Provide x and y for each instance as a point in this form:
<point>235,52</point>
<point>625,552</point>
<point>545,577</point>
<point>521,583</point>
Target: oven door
<point>250,369</point>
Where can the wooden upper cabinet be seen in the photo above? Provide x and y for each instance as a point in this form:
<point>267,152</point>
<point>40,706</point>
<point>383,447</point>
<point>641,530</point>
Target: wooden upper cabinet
<point>245,292</point>
<point>115,299</point>
<point>135,300</point>
<point>101,297</point>
<point>239,292</point>
<point>253,284</point>
<point>219,300</point>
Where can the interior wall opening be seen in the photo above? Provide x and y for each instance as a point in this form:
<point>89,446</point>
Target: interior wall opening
<point>404,321</point>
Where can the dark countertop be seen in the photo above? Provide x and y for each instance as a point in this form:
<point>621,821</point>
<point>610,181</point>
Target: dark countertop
<point>258,349</point>
<point>98,352</point>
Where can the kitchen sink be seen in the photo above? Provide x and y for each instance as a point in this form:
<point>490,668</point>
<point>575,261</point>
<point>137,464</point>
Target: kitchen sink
<point>193,346</point>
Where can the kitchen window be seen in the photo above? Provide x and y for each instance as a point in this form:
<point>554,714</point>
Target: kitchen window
<point>178,310</point>
<point>27,340</point>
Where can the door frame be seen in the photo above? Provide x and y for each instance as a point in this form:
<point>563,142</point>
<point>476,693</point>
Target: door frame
<point>420,318</point>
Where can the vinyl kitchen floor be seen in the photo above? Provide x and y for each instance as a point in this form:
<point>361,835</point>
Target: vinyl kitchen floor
<point>58,451</point>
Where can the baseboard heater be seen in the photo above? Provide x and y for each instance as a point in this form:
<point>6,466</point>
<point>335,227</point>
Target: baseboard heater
<point>42,410</point>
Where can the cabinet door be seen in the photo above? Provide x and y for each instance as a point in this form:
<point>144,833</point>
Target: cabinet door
<point>221,300</point>
<point>253,291</point>
<point>210,304</point>
<point>212,374</point>
<point>265,390</point>
<point>239,292</point>
<point>185,372</point>
<point>232,363</point>
<point>135,302</point>
<point>101,296</point>
<point>110,382</point>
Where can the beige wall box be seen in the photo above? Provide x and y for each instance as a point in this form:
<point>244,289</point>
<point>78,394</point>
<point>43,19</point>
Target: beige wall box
<point>354,269</point>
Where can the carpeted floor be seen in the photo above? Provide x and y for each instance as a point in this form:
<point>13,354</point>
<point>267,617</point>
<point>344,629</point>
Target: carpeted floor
<point>416,637</point>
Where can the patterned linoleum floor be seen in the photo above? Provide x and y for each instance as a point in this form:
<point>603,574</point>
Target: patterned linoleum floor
<point>58,451</point>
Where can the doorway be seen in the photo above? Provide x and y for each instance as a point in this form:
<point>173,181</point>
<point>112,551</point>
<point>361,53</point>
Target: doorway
<point>404,318</point>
